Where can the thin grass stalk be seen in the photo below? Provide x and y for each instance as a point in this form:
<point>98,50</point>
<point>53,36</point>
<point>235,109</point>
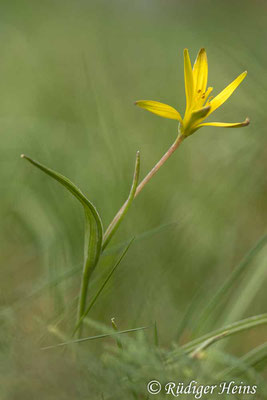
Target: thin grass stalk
<point>90,262</point>
<point>86,311</point>
<point>227,330</point>
<point>222,292</point>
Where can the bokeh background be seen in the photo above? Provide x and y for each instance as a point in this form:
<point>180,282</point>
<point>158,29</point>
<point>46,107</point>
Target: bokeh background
<point>70,72</point>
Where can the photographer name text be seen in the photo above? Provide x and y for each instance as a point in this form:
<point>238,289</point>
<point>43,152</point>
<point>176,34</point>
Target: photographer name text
<point>198,390</point>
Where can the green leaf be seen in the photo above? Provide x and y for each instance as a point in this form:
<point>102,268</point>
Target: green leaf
<point>68,185</point>
<point>207,343</point>
<point>102,287</point>
<point>249,287</point>
<point>114,225</point>
<point>254,358</point>
<point>226,331</point>
<point>141,236</point>
<point>105,335</point>
<point>228,284</point>
<point>188,315</point>
<point>93,229</point>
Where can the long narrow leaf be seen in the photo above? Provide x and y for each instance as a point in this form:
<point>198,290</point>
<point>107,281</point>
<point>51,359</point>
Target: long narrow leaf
<point>257,356</point>
<point>92,252</point>
<point>90,208</point>
<point>188,315</point>
<point>228,284</point>
<point>102,287</point>
<point>68,185</point>
<point>203,346</point>
<point>253,280</point>
<point>141,236</point>
<point>114,225</point>
<point>86,339</point>
<point>93,229</point>
<point>226,331</point>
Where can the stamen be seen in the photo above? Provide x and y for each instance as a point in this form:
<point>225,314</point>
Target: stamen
<point>199,91</point>
<point>209,90</point>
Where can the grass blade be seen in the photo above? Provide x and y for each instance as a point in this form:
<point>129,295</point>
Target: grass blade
<point>188,315</point>
<point>102,287</point>
<point>254,358</point>
<point>86,339</point>
<point>140,236</point>
<point>249,287</point>
<point>226,331</point>
<point>114,225</point>
<point>224,289</point>
<point>203,346</point>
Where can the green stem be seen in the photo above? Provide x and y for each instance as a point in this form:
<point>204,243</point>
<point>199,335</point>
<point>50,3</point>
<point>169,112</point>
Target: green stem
<point>91,257</point>
<point>114,225</point>
<point>140,187</point>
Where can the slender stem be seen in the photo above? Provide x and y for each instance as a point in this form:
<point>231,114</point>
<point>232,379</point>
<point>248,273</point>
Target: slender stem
<point>91,257</point>
<point>82,299</point>
<point>159,164</point>
<point>147,178</point>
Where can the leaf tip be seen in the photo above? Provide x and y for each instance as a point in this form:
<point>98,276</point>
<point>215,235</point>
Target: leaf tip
<point>247,122</point>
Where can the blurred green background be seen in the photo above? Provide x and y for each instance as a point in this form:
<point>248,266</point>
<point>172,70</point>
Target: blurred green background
<point>70,72</point>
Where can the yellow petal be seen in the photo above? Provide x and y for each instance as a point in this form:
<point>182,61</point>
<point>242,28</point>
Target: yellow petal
<point>226,124</point>
<point>200,71</point>
<point>226,93</point>
<point>161,109</point>
<point>188,80</point>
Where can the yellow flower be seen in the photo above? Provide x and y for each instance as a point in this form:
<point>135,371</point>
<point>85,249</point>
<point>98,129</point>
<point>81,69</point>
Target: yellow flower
<point>199,104</point>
